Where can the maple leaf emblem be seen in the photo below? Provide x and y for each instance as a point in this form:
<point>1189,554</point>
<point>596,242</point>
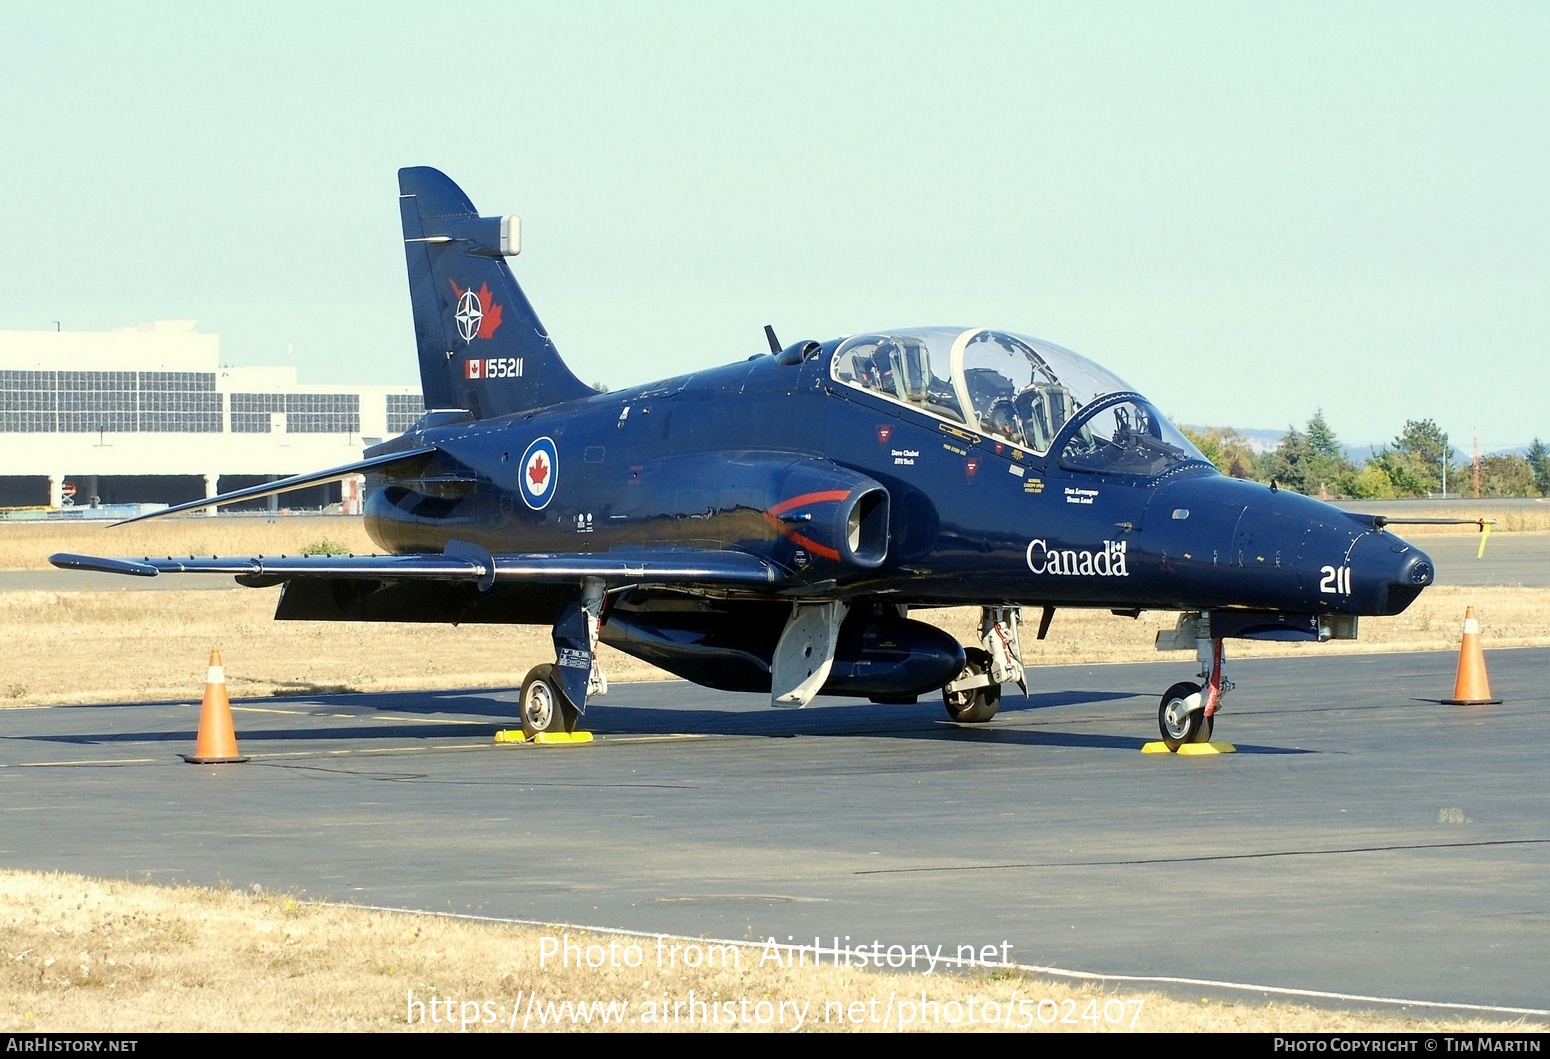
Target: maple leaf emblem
<point>486,314</point>
<point>538,471</point>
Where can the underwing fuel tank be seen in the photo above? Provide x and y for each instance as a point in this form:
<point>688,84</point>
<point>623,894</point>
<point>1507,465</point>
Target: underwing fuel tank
<point>730,646</point>
<point>892,657</point>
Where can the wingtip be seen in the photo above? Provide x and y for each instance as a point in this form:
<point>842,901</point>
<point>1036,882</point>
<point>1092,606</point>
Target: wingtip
<point>70,561</point>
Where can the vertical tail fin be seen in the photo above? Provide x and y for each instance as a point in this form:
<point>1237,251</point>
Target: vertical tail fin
<point>481,345</point>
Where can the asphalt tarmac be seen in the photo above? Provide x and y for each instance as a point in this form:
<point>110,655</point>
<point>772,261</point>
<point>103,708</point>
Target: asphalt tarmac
<point>1364,842</point>
<point>1511,559</point>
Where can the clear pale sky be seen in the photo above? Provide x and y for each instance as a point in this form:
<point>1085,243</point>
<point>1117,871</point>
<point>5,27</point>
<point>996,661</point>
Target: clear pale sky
<point>1249,211</point>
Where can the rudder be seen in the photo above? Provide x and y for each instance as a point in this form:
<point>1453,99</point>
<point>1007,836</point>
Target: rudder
<point>481,346</point>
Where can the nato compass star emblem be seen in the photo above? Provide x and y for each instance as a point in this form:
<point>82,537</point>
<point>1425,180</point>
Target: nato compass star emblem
<point>469,313</point>
<point>473,319</point>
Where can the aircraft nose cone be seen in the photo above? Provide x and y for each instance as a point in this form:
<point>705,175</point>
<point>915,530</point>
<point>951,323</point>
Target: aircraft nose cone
<point>1410,572</point>
<point>1417,571</point>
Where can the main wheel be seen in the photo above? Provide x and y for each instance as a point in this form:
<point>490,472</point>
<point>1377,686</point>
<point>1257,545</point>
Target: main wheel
<point>973,705</point>
<point>1177,726</point>
<point>543,707</point>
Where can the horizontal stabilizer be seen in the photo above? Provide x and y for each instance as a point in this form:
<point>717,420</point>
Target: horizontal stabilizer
<point>286,485</point>
<point>686,566</point>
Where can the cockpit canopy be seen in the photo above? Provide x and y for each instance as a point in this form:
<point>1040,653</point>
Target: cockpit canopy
<point>1016,389</point>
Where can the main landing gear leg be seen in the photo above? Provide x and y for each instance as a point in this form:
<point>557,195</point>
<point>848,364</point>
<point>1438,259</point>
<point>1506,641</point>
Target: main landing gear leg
<point>1187,713</point>
<point>555,695</point>
<point>975,695</point>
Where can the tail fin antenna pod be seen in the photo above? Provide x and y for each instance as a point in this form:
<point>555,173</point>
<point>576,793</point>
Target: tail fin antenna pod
<point>481,346</point>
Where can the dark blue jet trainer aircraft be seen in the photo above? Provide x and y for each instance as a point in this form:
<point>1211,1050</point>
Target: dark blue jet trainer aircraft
<point>768,526</point>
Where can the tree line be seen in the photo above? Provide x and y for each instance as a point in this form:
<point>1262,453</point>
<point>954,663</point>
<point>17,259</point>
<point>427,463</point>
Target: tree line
<point>1312,461</point>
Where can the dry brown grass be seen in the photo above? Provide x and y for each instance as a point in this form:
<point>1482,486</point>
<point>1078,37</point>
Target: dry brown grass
<point>27,545</point>
<point>1514,518</point>
<point>72,647</point>
<point>83,955</point>
<point>68,647</point>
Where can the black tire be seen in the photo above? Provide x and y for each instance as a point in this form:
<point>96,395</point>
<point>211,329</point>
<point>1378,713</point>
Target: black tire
<point>543,706</point>
<point>1193,727</point>
<point>976,705</point>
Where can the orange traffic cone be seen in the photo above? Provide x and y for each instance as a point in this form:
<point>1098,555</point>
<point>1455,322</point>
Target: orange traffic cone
<point>1471,688</point>
<point>217,743</point>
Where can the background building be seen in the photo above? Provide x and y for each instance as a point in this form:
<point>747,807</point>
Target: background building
<point>149,415</point>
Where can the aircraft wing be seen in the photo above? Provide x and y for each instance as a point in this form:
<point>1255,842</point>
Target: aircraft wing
<point>463,562</point>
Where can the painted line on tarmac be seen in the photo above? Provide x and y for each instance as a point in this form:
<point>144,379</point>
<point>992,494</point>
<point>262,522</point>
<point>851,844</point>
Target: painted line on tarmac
<point>268,709</point>
<point>364,752</point>
<point>1208,857</point>
<point>367,751</point>
<point>1277,990</point>
<point>370,751</point>
<point>356,716</point>
<point>418,720</point>
<point>1054,972</point>
<point>73,764</point>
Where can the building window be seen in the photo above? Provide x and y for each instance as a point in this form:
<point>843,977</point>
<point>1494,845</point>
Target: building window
<point>305,413</point>
<point>403,409</point>
<point>179,402</point>
<point>250,412</point>
<point>109,401</point>
<point>92,402</point>
<point>322,413</point>
<point>176,402</point>
<point>28,402</point>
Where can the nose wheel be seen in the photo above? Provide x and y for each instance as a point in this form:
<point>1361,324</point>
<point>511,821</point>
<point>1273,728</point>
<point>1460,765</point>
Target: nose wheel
<point>1178,722</point>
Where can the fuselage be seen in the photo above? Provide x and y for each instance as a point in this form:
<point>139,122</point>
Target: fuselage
<point>707,459</point>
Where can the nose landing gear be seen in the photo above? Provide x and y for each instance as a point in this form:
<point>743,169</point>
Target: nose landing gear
<point>1181,716</point>
<point>1187,712</point>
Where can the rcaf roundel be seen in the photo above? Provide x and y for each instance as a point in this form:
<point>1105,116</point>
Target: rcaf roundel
<point>539,468</point>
